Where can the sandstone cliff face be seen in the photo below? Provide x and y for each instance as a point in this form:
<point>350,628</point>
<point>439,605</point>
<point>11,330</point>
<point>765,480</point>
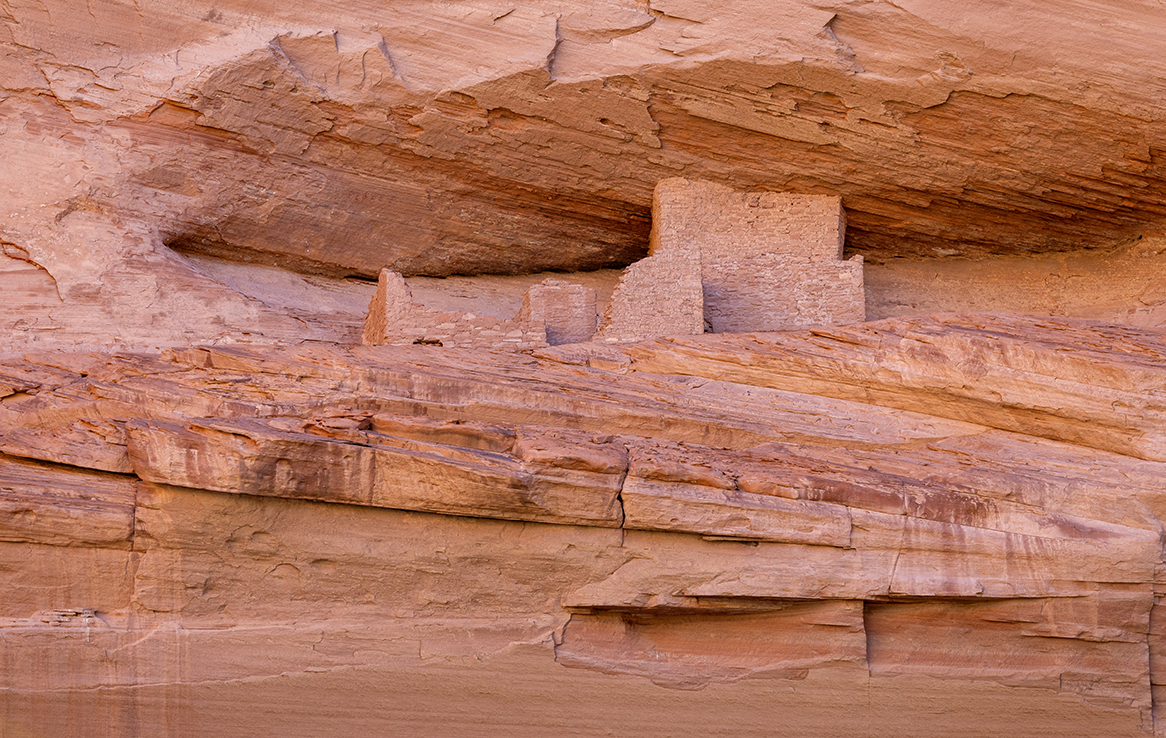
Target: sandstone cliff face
<point>221,515</point>
<point>445,125</point>
<point>957,532</point>
<point>518,137</point>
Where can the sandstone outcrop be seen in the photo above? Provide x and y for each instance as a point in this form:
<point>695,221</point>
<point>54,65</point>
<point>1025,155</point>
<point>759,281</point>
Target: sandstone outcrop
<point>450,126</point>
<point>488,137</point>
<point>213,534</point>
<point>244,492</point>
<point>492,138</point>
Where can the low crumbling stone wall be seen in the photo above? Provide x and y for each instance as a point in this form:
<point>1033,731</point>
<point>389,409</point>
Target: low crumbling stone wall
<point>393,318</point>
<point>720,261</point>
<point>567,311</point>
<point>552,313</point>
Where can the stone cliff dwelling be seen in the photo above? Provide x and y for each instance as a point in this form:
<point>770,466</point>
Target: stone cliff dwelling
<point>720,261</point>
<point>831,398</point>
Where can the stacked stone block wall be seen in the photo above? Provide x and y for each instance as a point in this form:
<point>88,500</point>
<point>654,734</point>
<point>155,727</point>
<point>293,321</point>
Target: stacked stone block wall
<point>553,312</point>
<point>394,319</point>
<point>776,292</point>
<point>662,294</point>
<point>734,261</point>
<point>566,310</point>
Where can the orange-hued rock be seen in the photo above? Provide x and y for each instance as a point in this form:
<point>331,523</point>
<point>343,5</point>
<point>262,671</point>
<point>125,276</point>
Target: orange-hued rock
<point>364,469</point>
<point>46,504</point>
<point>1038,377</point>
<point>236,501</point>
<point>494,137</point>
<point>685,529</point>
<point>455,128</point>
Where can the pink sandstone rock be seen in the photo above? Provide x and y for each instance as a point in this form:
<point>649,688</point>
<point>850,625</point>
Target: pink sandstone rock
<point>475,529</point>
<point>304,136</point>
<point>442,141</point>
<point>221,514</point>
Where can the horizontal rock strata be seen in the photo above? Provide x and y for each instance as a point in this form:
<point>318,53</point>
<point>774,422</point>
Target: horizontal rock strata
<point>1034,377</point>
<point>679,513</point>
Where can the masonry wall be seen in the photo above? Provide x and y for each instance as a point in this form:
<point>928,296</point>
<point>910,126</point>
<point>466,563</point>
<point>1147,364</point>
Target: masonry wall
<point>719,260</point>
<point>662,294</point>
<point>553,312</point>
<point>777,292</point>
<point>765,261</point>
<point>723,223</point>
<point>393,318</point>
<point>567,311</point>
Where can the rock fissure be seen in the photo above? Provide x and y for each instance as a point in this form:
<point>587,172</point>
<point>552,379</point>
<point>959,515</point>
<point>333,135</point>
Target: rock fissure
<point>806,445</point>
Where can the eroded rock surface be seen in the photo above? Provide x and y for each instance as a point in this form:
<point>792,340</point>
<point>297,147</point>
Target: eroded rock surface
<point>517,137</point>
<point>220,514</point>
<point>878,528</point>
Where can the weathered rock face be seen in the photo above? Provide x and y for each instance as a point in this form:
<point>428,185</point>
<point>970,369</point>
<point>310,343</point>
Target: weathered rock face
<point>881,529</point>
<point>221,514</point>
<point>504,137</point>
<point>513,138</point>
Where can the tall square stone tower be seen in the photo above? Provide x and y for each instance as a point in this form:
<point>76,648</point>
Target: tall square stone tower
<point>729,262</point>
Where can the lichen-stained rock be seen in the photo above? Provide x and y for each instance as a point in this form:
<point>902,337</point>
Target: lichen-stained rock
<point>448,385</point>
<point>505,528</point>
<point>688,650</point>
<point>652,505</point>
<point>1012,641</point>
<point>782,494</point>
